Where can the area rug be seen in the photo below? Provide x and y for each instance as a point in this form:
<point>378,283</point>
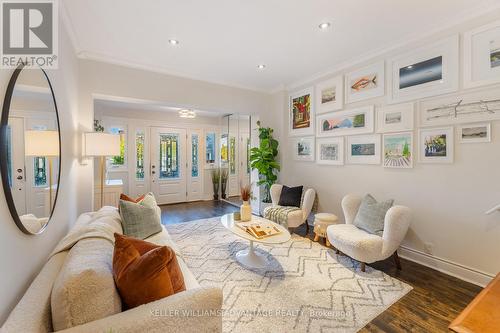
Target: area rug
<point>305,288</point>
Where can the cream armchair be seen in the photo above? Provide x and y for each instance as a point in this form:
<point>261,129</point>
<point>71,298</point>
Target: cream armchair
<point>363,246</point>
<point>292,217</point>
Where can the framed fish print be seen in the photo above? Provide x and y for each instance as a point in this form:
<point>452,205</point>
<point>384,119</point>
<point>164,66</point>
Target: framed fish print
<point>482,56</point>
<point>303,149</point>
<point>436,145</point>
<point>330,95</point>
<point>395,118</point>
<point>398,150</point>
<point>301,113</point>
<point>330,151</point>
<point>365,83</point>
<point>348,122</point>
<point>429,71</point>
<point>363,149</point>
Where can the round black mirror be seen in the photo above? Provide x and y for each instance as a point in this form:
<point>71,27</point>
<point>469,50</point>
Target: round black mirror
<point>30,149</point>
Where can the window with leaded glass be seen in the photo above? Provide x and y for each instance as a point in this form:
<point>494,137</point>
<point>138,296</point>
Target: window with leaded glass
<point>169,156</point>
<point>139,151</point>
<point>210,148</point>
<point>40,170</point>
<point>232,155</point>
<point>194,155</point>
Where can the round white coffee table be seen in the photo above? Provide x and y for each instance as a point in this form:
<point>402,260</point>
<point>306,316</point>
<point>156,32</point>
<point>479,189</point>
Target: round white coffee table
<point>249,257</point>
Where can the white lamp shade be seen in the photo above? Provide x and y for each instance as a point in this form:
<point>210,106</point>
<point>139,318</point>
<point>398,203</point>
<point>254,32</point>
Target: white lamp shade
<point>41,143</point>
<point>102,144</point>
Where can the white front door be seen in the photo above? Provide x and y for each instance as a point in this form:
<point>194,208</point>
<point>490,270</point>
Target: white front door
<point>17,174</point>
<point>168,165</point>
<point>194,171</point>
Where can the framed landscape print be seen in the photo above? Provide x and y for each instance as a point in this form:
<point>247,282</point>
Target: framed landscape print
<point>348,122</point>
<point>330,151</point>
<point>365,83</point>
<point>428,71</point>
<point>303,149</point>
<point>301,113</point>
<point>363,149</point>
<point>472,133</point>
<point>395,118</point>
<point>330,95</point>
<point>398,150</point>
<point>436,145</point>
<point>469,107</point>
<point>482,56</point>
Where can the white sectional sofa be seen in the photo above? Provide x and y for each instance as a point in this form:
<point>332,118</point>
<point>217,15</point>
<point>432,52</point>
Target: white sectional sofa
<point>198,309</point>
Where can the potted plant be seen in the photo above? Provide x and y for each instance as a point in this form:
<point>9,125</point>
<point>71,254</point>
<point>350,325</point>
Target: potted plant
<point>263,159</point>
<point>216,173</point>
<point>224,175</point>
<point>246,209</point>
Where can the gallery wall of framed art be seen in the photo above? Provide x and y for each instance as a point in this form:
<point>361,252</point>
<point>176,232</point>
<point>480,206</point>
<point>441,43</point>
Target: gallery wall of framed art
<point>422,94</point>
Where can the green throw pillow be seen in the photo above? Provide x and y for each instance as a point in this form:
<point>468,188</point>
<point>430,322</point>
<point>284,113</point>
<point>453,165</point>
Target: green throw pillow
<point>140,220</point>
<point>371,215</point>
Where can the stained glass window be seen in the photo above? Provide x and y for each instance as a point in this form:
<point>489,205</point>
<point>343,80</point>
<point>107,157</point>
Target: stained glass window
<point>139,151</point>
<point>232,155</point>
<point>194,155</point>
<point>169,156</point>
<point>40,170</point>
<point>224,154</point>
<point>210,147</point>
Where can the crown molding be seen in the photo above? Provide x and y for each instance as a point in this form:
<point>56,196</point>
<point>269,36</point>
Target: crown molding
<point>404,42</point>
<point>70,29</point>
<point>100,57</point>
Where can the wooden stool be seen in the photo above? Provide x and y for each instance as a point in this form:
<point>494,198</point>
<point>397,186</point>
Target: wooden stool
<point>321,222</point>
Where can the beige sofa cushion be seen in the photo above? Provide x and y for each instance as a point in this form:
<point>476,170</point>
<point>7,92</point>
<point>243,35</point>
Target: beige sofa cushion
<point>84,290</point>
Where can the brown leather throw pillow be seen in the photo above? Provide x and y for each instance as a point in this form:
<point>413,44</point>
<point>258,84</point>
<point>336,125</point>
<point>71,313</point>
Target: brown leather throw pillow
<point>145,272</point>
<point>127,198</point>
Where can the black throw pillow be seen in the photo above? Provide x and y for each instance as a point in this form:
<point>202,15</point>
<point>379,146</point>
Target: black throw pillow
<point>291,196</point>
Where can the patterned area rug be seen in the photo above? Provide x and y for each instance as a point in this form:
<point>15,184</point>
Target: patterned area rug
<point>306,288</point>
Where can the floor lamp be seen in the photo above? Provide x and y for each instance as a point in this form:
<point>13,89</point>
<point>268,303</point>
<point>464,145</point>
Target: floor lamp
<point>99,144</point>
<point>43,144</point>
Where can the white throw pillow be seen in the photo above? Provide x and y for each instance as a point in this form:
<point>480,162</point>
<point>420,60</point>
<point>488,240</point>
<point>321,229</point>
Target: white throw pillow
<point>85,290</point>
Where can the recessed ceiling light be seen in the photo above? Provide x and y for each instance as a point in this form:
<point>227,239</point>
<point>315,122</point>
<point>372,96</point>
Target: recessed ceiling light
<point>261,66</point>
<point>410,67</point>
<point>173,41</point>
<point>324,25</point>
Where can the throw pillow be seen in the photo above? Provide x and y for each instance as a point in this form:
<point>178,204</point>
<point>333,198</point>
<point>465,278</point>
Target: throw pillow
<point>140,219</point>
<point>291,196</point>
<point>127,198</point>
<point>145,272</point>
<point>371,215</point>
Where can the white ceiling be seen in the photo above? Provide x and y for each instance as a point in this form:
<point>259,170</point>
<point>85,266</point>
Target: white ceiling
<point>224,40</point>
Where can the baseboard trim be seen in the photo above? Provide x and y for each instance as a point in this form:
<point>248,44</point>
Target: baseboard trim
<point>459,271</point>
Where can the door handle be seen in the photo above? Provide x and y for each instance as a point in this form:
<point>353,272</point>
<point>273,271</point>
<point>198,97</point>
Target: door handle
<point>19,177</point>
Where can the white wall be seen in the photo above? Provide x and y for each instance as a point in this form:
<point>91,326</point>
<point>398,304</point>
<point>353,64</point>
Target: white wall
<point>22,256</point>
<point>448,201</point>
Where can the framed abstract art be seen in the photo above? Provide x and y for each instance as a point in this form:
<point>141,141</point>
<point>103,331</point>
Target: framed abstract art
<point>301,113</point>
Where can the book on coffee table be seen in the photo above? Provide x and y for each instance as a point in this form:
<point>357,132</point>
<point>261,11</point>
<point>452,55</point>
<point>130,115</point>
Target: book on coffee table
<point>259,229</point>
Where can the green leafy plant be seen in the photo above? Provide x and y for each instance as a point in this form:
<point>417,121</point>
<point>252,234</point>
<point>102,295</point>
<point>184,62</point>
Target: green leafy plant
<point>224,176</point>
<point>263,159</point>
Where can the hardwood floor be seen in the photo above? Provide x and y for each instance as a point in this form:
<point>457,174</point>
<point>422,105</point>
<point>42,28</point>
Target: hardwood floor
<point>436,298</point>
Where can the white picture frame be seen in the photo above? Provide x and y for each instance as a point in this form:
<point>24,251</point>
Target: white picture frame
<point>468,107</point>
<point>341,123</point>
<point>395,118</point>
<point>324,154</point>
<point>481,47</point>
<point>295,126</point>
<point>474,133</point>
<point>330,95</point>
<point>298,146</point>
<point>437,155</point>
<point>395,154</point>
<point>365,83</point>
<point>427,71</point>
<point>363,149</point>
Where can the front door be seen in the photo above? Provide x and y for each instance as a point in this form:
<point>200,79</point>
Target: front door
<point>168,165</point>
